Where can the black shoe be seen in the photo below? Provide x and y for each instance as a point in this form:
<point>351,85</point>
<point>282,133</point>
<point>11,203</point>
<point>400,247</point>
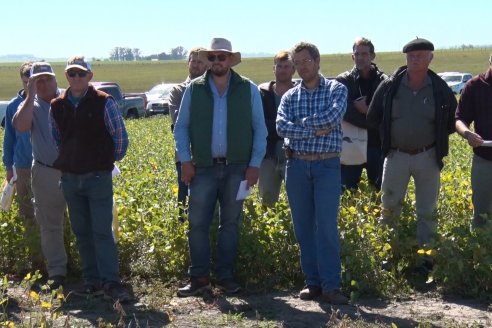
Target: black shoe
<point>89,290</point>
<point>334,297</point>
<point>310,292</point>
<point>228,286</point>
<point>196,286</point>
<point>56,282</point>
<point>114,291</point>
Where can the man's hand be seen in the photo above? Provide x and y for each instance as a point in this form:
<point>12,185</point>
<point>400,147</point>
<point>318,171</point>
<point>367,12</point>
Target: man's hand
<point>473,139</point>
<point>187,172</point>
<point>251,175</point>
<point>360,105</point>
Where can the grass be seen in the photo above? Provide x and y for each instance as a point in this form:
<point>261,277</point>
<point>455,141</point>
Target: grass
<point>141,76</point>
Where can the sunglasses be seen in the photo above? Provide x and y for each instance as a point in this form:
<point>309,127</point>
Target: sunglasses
<point>220,57</point>
<point>79,73</point>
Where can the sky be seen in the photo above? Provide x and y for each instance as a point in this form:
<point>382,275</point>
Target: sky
<point>59,29</point>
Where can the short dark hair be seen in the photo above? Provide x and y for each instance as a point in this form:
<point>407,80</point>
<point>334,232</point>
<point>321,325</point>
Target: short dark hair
<point>195,51</point>
<point>282,56</point>
<point>361,41</point>
<point>311,48</point>
<point>25,69</point>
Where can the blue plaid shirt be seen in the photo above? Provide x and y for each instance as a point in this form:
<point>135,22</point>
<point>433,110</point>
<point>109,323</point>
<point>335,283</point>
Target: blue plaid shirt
<point>302,112</point>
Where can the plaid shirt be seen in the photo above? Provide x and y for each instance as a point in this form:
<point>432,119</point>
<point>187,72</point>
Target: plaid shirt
<point>114,124</point>
<point>302,112</point>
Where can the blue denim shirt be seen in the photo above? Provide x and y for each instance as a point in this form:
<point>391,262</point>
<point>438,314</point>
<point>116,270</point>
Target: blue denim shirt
<point>219,130</point>
<point>17,148</point>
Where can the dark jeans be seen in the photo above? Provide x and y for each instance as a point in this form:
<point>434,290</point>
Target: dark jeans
<point>209,185</point>
<point>374,166</point>
<point>90,204</point>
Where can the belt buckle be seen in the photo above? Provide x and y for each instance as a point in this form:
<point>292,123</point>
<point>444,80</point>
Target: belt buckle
<point>220,160</point>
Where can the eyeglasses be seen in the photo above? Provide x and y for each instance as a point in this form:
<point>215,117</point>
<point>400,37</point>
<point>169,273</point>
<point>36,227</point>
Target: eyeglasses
<point>303,62</point>
<point>220,57</point>
<point>81,74</point>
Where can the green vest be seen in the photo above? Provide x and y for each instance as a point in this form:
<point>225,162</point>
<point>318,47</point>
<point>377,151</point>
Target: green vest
<point>239,116</point>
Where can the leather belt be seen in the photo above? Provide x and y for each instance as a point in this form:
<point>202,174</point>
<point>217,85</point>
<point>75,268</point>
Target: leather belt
<point>414,151</point>
<point>314,156</point>
<point>220,160</point>
<point>41,163</point>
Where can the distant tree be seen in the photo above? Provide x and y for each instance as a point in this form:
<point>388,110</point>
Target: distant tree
<point>136,53</point>
<point>178,52</point>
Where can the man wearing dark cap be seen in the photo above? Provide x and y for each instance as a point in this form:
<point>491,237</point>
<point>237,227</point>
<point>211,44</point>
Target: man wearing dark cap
<point>414,109</point>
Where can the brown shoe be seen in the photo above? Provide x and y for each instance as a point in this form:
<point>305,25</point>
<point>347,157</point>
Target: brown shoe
<point>334,297</point>
<point>310,292</point>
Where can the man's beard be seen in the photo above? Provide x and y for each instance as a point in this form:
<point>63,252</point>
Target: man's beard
<point>219,71</point>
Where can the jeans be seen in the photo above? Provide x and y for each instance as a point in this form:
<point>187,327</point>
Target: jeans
<point>481,181</point>
<point>374,166</point>
<point>211,184</point>
<point>90,203</point>
<point>313,190</point>
<point>398,168</point>
<point>182,192</point>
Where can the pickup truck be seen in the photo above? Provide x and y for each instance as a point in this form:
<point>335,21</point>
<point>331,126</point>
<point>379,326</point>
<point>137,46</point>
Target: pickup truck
<point>131,105</point>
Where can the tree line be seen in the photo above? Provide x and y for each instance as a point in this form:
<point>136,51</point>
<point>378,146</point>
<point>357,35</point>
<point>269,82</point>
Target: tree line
<point>132,54</point>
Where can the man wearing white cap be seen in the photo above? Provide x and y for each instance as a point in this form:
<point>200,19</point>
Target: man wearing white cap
<point>49,203</point>
<point>221,140</point>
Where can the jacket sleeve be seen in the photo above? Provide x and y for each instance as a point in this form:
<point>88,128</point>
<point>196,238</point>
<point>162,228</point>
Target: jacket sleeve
<point>375,111</point>
<point>452,112</point>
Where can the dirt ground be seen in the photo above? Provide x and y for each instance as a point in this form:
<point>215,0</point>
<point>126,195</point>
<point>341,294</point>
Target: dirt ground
<point>273,309</point>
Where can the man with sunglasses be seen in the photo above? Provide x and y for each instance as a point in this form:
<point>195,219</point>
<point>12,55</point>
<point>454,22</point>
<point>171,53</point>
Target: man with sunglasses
<point>49,203</point>
<point>17,151</point>
<point>220,138</point>
<point>88,129</point>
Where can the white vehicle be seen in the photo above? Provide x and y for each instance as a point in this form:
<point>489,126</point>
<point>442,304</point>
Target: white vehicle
<point>3,110</point>
<point>158,99</point>
<point>456,80</point>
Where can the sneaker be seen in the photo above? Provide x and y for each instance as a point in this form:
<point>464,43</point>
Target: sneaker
<point>197,285</point>
<point>89,290</point>
<point>334,297</point>
<point>310,292</point>
<point>228,286</point>
<point>115,291</point>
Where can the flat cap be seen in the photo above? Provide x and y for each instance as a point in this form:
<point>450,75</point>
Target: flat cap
<point>418,44</point>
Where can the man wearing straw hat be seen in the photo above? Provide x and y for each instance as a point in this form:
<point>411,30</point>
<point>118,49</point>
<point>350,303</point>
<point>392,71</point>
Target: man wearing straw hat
<point>221,139</point>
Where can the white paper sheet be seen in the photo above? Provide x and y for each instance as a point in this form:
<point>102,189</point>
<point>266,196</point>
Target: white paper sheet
<point>243,191</point>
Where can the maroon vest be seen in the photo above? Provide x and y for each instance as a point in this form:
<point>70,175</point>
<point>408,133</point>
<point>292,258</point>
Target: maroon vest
<point>85,144</point>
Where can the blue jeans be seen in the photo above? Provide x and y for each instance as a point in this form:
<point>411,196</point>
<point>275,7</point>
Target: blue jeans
<point>313,190</point>
<point>374,166</point>
<point>209,185</point>
<point>90,203</point>
<point>182,191</point>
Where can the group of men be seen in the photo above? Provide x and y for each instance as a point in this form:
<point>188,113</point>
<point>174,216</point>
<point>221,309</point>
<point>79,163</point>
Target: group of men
<point>229,135</point>
<point>220,136</point>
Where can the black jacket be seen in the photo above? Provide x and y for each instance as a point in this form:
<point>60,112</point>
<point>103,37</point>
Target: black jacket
<point>270,113</point>
<point>351,79</point>
<point>380,109</point>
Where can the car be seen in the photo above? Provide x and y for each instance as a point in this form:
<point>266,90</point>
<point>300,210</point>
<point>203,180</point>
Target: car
<point>456,80</point>
<point>158,99</point>
<point>3,110</point>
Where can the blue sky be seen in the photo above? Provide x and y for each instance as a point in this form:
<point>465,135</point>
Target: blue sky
<point>59,29</point>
